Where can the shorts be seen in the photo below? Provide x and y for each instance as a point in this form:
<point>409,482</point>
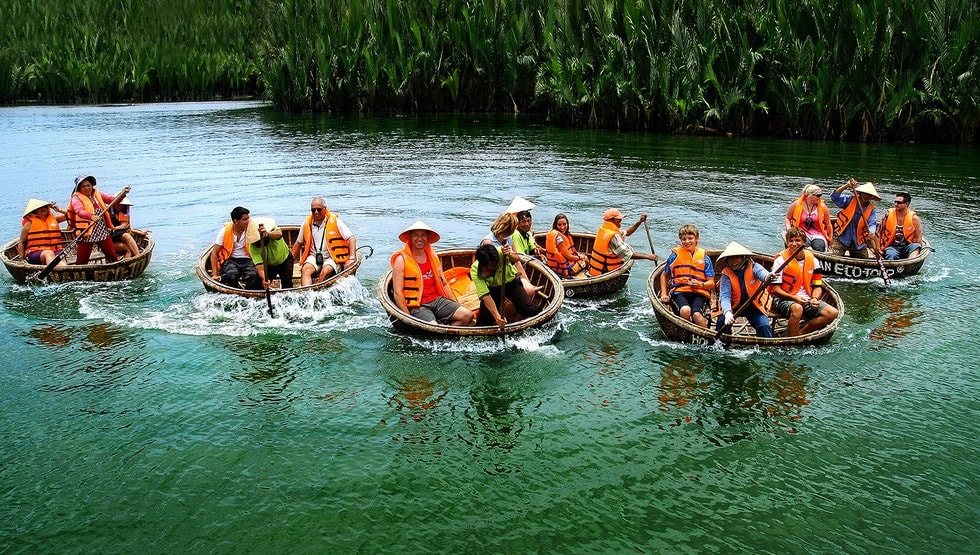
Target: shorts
<point>34,257</point>
<point>440,309</point>
<point>782,307</point>
<point>327,261</point>
<point>687,298</point>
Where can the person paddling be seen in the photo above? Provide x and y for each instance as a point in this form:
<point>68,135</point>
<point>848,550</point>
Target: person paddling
<point>611,250</point>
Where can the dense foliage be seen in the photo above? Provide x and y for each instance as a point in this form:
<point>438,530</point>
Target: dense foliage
<point>863,69</point>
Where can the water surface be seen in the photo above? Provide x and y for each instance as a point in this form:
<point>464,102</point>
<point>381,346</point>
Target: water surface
<point>155,415</point>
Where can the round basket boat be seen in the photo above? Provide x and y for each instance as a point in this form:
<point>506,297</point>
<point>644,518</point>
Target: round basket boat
<point>867,268</point>
<point>676,328</point>
<point>289,233</point>
<point>456,265</point>
<point>97,268</point>
<point>583,285</point>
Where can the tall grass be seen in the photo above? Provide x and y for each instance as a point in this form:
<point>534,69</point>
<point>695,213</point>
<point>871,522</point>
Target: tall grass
<point>858,69</point>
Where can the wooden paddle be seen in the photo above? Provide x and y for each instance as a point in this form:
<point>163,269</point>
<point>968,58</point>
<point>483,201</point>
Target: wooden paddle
<point>43,274</point>
<point>755,295</point>
<point>881,263</point>
<point>649,240</point>
<point>268,294</point>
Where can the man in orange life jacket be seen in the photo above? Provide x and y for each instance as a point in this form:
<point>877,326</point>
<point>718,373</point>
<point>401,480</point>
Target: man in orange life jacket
<point>610,250</point>
<point>854,227</point>
<point>741,278</point>
<point>900,231</point>
<point>799,286</point>
<point>40,234</point>
<point>324,244</point>
<point>230,260</point>
<point>418,284</point>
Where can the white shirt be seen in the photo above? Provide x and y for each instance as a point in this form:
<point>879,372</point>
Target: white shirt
<point>238,251</point>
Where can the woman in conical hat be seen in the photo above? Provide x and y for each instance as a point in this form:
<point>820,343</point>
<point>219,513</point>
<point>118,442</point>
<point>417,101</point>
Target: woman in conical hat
<point>40,232</point>
<point>741,279</point>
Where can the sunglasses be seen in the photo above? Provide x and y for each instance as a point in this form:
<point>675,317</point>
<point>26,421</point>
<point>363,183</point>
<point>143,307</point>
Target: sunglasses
<point>315,210</point>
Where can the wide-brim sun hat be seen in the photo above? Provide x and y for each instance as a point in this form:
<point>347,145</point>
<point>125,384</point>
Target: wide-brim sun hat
<point>612,214</point>
<point>252,232</point>
<point>34,204</point>
<point>734,249</point>
<point>868,189</point>
<point>419,225</point>
<point>83,177</point>
<point>520,204</point>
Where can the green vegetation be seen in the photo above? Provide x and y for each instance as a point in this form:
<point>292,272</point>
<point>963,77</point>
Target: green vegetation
<point>864,69</point>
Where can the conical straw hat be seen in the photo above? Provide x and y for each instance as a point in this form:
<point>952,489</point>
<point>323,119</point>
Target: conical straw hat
<point>519,204</point>
<point>734,249</point>
<point>252,232</point>
<point>868,189</point>
<point>34,204</point>
<point>418,225</point>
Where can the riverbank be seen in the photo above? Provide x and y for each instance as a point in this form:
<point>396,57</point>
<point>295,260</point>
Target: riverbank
<point>885,70</point>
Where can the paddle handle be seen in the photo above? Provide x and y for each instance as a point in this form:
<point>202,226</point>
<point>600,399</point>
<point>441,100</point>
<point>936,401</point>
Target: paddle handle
<point>650,241</point>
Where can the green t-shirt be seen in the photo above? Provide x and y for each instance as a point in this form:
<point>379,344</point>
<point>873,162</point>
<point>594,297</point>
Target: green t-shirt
<point>483,284</point>
<point>522,244</point>
<point>276,251</point>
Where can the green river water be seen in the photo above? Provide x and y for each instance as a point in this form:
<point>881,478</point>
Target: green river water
<point>151,416</point>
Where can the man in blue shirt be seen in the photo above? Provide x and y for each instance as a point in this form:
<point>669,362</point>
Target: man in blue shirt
<point>855,225</point>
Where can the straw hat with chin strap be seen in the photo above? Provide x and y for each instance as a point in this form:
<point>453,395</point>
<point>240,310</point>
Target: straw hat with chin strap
<point>34,204</point>
<point>252,232</point>
<point>869,190</point>
<point>734,249</point>
<point>419,225</point>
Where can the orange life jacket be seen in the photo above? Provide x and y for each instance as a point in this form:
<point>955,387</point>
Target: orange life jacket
<point>556,260</point>
<point>603,260</point>
<point>227,243</point>
<point>412,284</point>
<point>747,284</point>
<point>793,272</point>
<point>890,225</point>
<point>823,215</point>
<point>80,224</point>
<point>336,245</point>
<point>691,267</point>
<point>845,216</point>
<point>44,234</point>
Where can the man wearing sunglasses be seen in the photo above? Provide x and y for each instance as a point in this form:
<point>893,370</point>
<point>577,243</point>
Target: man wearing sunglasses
<point>324,244</point>
<point>900,232</point>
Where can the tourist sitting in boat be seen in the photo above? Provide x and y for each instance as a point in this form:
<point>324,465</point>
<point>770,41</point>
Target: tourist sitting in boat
<point>40,232</point>
<point>230,260</point>
<point>269,252</point>
<point>88,215</point>
<point>523,237</point>
<point>741,281</point>
<point>122,232</point>
<point>489,276</point>
<point>810,213</point>
<point>900,231</point>
<point>502,236</point>
<point>799,287</point>
<point>688,278</point>
<point>418,284</point>
<point>560,250</point>
<point>854,227</point>
<point>324,244</point>
<point>611,250</point>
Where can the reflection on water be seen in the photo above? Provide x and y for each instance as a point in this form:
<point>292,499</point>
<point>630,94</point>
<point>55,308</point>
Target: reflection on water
<point>902,313</point>
<point>734,400</point>
<point>51,335</point>
<point>269,365</point>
